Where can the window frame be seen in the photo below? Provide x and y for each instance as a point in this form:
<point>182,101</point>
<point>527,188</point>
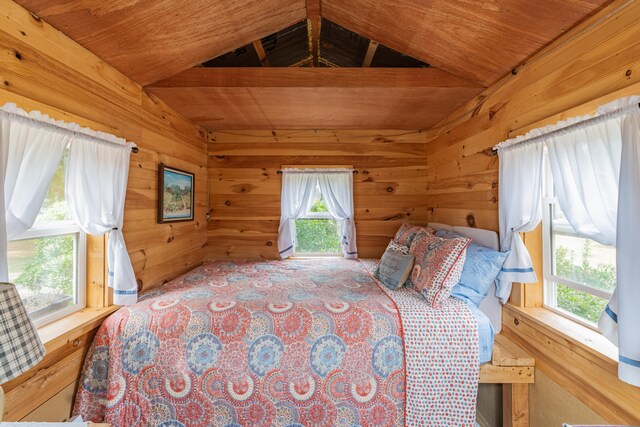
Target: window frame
<point>550,280</point>
<point>63,228</point>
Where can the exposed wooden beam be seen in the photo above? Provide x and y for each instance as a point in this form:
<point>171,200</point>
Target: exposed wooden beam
<point>306,61</point>
<point>313,28</point>
<point>371,51</point>
<point>314,77</point>
<point>328,63</point>
<point>262,55</point>
<point>314,24</point>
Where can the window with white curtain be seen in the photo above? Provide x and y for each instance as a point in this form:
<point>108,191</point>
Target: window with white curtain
<point>579,273</point>
<point>48,261</point>
<point>317,232</point>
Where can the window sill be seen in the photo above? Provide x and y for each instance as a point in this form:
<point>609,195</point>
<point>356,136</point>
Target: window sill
<point>579,359</point>
<point>592,344</point>
<point>57,334</point>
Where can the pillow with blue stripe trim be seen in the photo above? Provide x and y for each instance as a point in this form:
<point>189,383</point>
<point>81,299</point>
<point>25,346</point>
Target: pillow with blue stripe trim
<point>480,270</point>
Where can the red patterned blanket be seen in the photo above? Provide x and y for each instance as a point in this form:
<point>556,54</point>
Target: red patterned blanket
<point>279,343</point>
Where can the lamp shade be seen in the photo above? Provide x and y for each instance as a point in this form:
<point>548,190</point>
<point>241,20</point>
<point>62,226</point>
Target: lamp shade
<point>20,345</point>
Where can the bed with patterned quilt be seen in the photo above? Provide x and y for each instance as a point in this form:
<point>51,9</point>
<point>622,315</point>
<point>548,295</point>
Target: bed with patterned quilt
<point>301,342</point>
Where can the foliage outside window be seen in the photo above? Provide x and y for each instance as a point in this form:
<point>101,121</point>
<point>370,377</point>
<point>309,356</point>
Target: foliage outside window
<point>317,233</point>
<point>47,262</point>
<point>579,273</point>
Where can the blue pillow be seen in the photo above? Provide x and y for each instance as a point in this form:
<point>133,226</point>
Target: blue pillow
<point>481,267</point>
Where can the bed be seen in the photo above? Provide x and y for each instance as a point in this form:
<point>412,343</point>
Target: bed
<point>303,342</point>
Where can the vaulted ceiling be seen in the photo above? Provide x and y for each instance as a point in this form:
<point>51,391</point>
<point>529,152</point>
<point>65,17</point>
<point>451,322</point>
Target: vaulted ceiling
<point>480,40</point>
<point>470,43</point>
<point>149,40</point>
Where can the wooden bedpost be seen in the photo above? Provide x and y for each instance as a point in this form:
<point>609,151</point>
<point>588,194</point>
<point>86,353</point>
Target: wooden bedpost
<point>515,405</point>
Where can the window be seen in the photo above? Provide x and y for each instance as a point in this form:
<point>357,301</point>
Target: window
<point>47,262</point>
<point>579,273</point>
<point>317,233</point>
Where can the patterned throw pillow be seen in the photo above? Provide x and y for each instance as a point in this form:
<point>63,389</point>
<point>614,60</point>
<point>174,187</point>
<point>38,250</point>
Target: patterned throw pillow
<point>397,247</point>
<point>438,265</point>
<point>395,266</point>
<point>407,233</point>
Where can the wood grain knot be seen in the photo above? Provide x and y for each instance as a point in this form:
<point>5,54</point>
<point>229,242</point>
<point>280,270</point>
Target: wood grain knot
<point>389,189</point>
<point>516,321</point>
<point>471,220</point>
<point>18,55</point>
<point>227,202</point>
<point>628,73</point>
<point>269,243</point>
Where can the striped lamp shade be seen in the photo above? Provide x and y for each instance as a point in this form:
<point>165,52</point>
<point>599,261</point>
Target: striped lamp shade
<point>20,345</point>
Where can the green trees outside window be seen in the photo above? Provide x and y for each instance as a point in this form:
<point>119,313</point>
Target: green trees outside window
<point>602,276</point>
<point>318,233</point>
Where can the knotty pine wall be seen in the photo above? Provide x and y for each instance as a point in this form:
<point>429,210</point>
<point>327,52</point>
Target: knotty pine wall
<point>594,63</point>
<point>42,69</point>
<point>572,76</point>
<point>244,188</point>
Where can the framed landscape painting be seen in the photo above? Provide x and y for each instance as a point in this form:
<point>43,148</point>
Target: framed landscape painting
<point>175,195</point>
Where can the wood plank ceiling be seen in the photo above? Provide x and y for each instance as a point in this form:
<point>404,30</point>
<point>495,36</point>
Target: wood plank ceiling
<point>480,40</point>
<point>315,98</point>
<point>149,40</point>
<point>152,40</point>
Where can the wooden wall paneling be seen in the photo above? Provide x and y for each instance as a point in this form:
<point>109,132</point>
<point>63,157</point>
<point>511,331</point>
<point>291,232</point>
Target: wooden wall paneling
<point>97,294</point>
<point>588,378</point>
<point>57,408</point>
<point>48,382</point>
<point>61,348</point>
<point>42,69</point>
<point>244,188</point>
<point>594,63</point>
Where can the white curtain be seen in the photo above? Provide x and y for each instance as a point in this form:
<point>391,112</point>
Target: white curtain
<point>297,191</point>
<point>96,186</point>
<point>337,189</point>
<point>621,318</point>
<point>30,152</point>
<point>596,176</point>
<point>520,184</point>
<point>585,164</point>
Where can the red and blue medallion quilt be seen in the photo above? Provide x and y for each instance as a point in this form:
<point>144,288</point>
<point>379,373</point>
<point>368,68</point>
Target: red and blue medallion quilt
<point>303,342</point>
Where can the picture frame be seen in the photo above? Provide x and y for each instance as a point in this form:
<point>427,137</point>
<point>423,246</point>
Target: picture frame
<point>175,195</point>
